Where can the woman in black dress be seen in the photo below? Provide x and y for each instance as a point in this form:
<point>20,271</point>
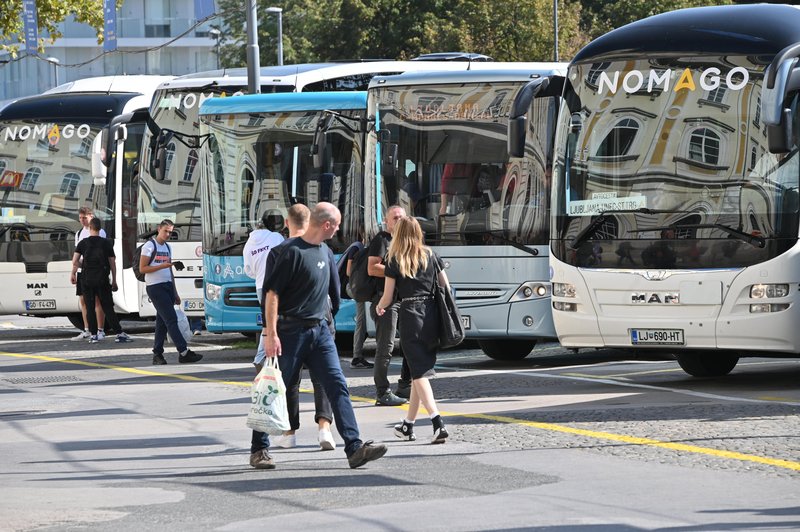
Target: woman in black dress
<point>410,270</point>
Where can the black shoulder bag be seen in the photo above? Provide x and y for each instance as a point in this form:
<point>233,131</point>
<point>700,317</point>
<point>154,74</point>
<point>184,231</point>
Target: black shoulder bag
<point>451,329</point>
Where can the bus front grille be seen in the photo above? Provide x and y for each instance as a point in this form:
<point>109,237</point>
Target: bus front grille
<point>241,296</point>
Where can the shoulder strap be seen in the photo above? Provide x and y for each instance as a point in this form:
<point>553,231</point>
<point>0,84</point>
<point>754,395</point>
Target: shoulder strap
<point>155,249</point>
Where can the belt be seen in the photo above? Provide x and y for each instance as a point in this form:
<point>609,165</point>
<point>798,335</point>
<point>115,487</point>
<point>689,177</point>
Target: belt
<point>417,298</point>
<point>304,322</point>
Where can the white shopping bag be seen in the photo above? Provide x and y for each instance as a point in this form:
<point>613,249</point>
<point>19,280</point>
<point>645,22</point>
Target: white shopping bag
<point>268,412</point>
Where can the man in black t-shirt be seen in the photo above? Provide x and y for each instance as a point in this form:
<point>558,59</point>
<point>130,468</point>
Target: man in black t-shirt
<point>386,325</point>
<point>95,255</point>
<point>295,330</point>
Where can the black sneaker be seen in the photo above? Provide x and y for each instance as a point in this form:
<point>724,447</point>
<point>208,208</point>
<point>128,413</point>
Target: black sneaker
<point>189,357</point>
<point>440,433</point>
<point>361,363</point>
<point>159,360</point>
<point>405,431</point>
<point>389,399</point>
<point>366,453</point>
<point>403,391</point>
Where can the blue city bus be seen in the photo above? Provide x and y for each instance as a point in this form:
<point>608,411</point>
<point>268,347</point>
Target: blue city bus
<point>264,153</point>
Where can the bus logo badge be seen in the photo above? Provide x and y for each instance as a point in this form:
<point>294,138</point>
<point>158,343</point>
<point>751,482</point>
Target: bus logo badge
<point>54,135</point>
<point>655,275</point>
<point>650,298</point>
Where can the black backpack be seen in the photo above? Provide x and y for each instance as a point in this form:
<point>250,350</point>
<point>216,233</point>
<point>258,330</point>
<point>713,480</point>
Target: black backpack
<point>137,256</point>
<point>341,267</point>
<point>95,266</point>
<point>363,286</point>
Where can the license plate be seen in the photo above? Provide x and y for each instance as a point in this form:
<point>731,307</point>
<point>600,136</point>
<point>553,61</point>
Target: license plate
<point>193,304</point>
<point>466,321</point>
<point>657,336</point>
<point>40,304</point>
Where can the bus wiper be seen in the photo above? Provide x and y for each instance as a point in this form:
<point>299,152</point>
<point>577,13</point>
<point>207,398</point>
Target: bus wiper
<point>497,234</point>
<point>753,240</point>
<point>590,229</point>
<point>227,247</point>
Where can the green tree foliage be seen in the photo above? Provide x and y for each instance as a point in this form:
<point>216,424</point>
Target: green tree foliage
<point>507,30</point>
<point>50,13</point>
<point>602,16</point>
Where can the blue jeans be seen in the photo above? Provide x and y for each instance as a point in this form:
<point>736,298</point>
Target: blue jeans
<point>163,297</point>
<point>314,347</point>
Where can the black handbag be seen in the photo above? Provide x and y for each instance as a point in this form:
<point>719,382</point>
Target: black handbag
<point>451,328</point>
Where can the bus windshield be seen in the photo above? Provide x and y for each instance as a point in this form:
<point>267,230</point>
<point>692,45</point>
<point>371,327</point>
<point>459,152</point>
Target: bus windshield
<point>453,171</point>
<point>177,196</point>
<point>45,177</point>
<point>664,163</point>
<point>263,162</point>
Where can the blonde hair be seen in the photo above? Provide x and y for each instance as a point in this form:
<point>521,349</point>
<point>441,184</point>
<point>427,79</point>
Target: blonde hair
<point>407,248</point>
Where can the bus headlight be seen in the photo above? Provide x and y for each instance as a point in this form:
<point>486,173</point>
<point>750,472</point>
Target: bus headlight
<point>530,290</point>
<point>563,290</point>
<point>213,291</point>
<point>763,291</point>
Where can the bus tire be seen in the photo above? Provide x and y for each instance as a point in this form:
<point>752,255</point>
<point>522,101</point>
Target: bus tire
<point>76,319</point>
<point>707,363</point>
<point>507,349</point>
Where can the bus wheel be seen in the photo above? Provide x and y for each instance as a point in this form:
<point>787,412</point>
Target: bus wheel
<point>507,349</point>
<point>707,363</point>
<point>76,319</point>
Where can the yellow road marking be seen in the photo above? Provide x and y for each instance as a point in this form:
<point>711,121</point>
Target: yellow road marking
<point>632,440</point>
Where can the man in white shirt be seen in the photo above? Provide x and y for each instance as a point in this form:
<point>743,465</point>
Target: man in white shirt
<point>85,215</point>
<point>255,252</point>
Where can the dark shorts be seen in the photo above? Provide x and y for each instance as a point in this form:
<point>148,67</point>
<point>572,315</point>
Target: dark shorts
<point>79,286</point>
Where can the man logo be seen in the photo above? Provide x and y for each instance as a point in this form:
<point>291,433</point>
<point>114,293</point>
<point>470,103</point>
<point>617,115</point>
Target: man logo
<point>655,298</point>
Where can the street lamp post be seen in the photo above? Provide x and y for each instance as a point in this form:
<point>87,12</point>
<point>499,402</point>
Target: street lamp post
<point>216,34</point>
<point>279,12</point>
<point>55,61</point>
<point>555,30</point>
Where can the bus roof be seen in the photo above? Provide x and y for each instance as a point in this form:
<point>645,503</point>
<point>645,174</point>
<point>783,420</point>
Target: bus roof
<point>98,98</point>
<point>301,75</point>
<point>285,102</point>
<point>468,76</point>
<point>99,107</point>
<point>760,29</point>
<point>107,84</point>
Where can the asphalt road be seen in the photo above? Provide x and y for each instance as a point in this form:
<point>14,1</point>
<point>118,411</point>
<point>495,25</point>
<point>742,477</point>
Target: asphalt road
<point>94,437</point>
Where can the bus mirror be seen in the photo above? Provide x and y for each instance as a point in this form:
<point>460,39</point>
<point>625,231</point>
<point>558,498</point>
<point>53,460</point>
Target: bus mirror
<point>780,137</point>
<point>516,136</point>
<point>384,136</point>
<point>389,159</point>
<point>576,123</point>
<point>99,166</point>
<point>320,140</point>
<point>158,154</point>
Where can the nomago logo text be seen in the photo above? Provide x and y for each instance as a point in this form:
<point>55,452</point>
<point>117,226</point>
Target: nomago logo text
<point>51,132</point>
<point>708,79</point>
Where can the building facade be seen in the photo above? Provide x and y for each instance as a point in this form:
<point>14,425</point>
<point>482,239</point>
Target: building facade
<point>144,31</point>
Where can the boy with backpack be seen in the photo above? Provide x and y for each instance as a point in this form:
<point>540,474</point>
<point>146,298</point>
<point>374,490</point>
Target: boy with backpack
<point>95,255</point>
<point>345,267</point>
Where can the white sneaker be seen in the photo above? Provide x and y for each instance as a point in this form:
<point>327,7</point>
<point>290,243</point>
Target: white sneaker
<point>326,442</point>
<point>85,335</point>
<point>100,334</point>
<point>286,441</point>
